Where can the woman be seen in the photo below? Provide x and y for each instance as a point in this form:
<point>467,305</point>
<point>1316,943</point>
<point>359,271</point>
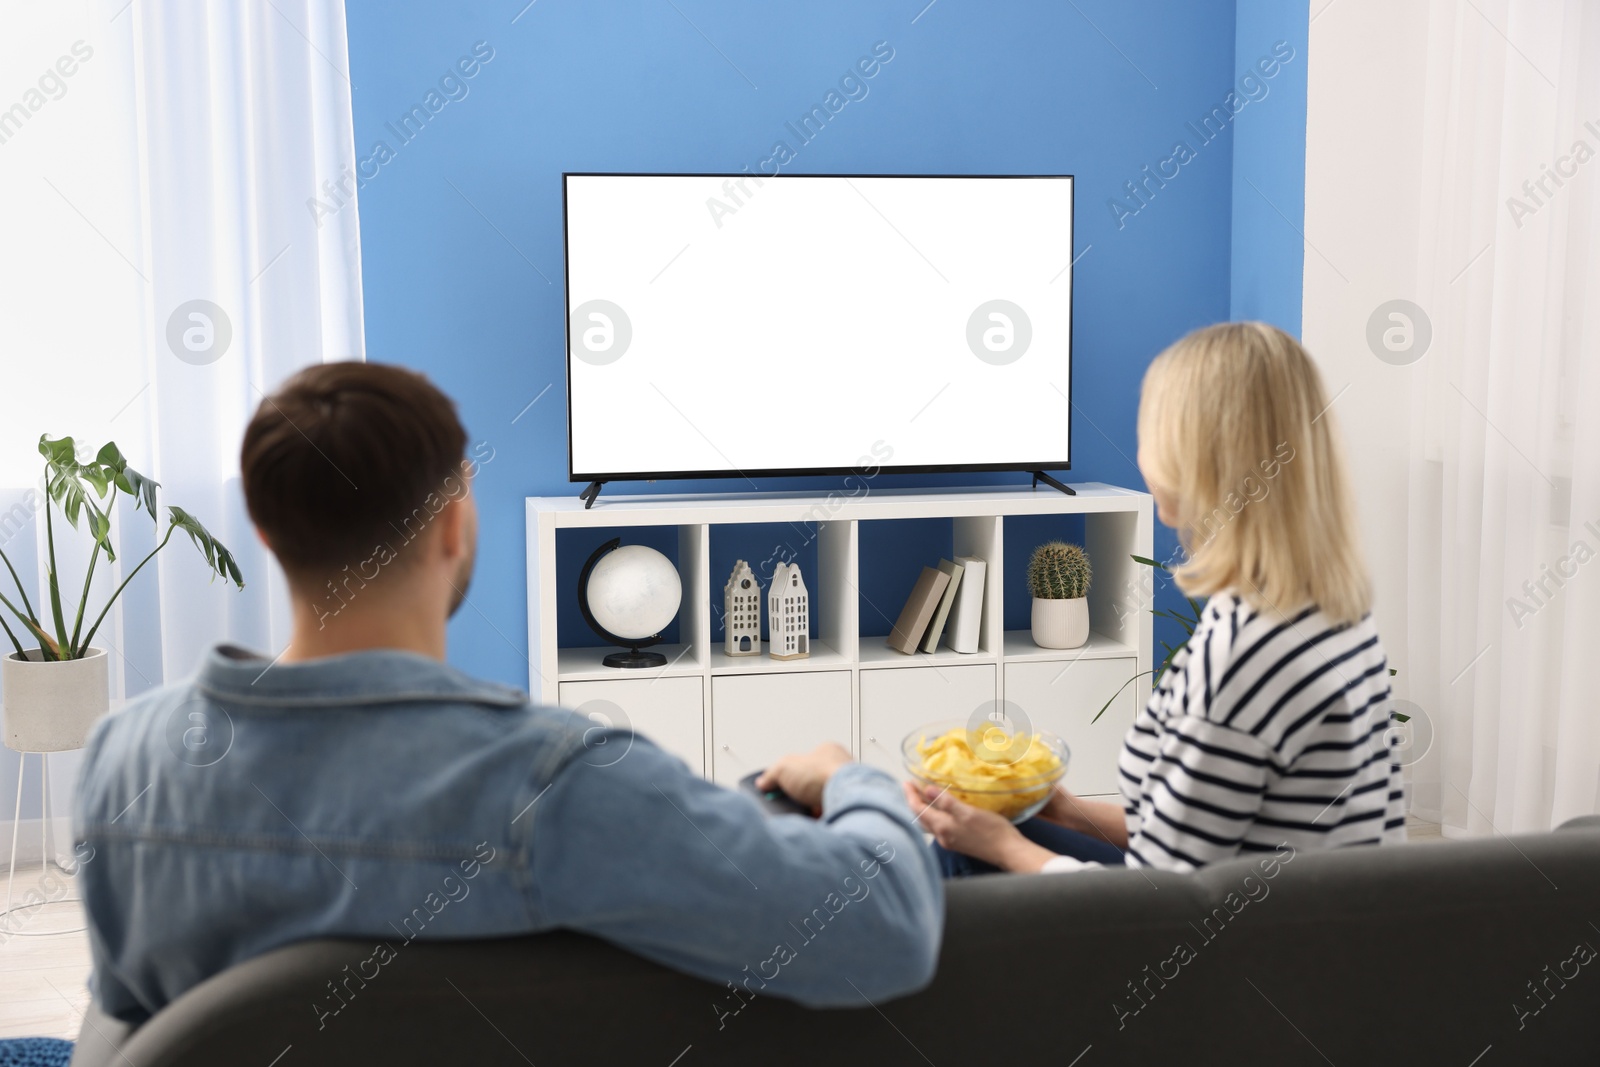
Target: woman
<point>1268,728</point>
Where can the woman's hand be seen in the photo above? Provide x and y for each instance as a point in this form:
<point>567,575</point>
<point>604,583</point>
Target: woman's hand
<point>983,835</point>
<point>1093,817</point>
<point>1062,810</point>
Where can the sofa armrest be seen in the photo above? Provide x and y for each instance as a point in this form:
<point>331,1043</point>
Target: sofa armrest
<point>100,1039</point>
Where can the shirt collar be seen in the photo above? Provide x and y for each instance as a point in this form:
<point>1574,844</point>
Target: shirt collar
<point>371,676</point>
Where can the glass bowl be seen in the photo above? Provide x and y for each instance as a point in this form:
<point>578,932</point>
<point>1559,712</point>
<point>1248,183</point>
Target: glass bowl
<point>1014,796</point>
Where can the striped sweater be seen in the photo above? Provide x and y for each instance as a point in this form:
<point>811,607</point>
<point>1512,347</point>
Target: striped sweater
<point>1265,729</point>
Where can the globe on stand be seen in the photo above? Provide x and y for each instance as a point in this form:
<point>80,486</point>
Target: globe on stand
<point>628,596</point>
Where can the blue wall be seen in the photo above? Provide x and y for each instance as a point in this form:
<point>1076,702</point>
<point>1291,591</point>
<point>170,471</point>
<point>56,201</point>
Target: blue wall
<point>461,225</point>
<point>1269,164</point>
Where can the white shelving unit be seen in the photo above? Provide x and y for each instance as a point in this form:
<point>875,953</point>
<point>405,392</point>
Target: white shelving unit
<point>727,716</point>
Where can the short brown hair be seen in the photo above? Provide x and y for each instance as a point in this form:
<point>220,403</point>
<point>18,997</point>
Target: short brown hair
<point>340,457</point>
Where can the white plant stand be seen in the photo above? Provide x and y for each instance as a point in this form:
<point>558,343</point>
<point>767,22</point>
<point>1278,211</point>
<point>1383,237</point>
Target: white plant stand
<point>44,849</point>
<point>728,715</point>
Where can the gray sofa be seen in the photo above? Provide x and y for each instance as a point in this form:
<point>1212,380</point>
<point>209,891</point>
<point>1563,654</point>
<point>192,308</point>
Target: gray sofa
<point>1460,953</point>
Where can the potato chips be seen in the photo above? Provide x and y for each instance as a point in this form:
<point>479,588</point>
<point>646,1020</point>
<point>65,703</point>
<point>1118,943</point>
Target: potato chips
<point>989,768</point>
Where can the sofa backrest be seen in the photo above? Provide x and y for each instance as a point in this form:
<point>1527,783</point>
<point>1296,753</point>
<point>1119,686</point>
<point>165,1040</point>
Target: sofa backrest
<point>1472,952</point>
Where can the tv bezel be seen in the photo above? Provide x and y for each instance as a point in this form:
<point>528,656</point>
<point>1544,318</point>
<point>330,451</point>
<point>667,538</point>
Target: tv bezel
<point>804,472</point>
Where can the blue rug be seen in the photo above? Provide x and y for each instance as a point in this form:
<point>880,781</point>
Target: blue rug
<point>35,1052</point>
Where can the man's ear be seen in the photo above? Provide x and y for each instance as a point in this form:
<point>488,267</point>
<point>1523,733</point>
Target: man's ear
<point>262,537</point>
<point>451,523</point>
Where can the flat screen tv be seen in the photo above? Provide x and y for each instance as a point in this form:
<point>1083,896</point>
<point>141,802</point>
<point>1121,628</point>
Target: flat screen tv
<point>724,326</point>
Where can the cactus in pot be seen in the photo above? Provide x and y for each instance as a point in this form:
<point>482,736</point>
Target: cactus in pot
<point>1059,571</point>
<point>1058,577</point>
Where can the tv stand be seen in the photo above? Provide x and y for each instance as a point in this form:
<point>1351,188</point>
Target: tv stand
<point>1039,476</point>
<point>589,493</point>
<point>728,716</point>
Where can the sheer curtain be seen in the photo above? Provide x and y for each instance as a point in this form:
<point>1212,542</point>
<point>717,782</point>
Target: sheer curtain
<point>181,235</point>
<point>1504,522</point>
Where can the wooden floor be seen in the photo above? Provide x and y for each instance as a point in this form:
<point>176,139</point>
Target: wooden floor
<point>43,980</point>
<point>1422,832</point>
<point>43,990</point>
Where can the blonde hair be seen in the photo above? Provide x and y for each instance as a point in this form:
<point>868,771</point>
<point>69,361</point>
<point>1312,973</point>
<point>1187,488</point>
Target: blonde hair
<point>1234,426</point>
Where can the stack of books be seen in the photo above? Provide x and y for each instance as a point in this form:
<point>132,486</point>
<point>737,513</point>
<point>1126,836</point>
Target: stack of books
<point>946,604</point>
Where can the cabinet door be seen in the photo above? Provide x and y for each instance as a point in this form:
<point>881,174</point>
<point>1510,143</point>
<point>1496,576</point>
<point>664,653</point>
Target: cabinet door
<point>755,718</point>
<point>896,701</point>
<point>666,710</point>
<point>1063,697</point>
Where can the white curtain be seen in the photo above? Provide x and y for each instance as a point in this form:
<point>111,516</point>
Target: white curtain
<point>177,174</point>
<point>1453,161</point>
<point>1504,515</point>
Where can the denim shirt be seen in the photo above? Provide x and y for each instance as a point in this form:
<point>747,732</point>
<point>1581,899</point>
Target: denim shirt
<point>384,795</point>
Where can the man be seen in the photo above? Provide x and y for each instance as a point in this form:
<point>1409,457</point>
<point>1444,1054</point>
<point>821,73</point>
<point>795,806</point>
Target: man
<point>358,786</point>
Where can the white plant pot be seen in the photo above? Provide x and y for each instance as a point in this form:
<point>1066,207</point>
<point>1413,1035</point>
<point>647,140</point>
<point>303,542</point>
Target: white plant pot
<point>51,706</point>
<point>1060,623</point>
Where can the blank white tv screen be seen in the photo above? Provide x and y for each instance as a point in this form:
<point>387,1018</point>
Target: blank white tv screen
<point>721,326</point>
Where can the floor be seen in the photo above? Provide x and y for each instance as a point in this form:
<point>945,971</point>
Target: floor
<point>1422,832</point>
<point>42,979</point>
<point>43,990</point>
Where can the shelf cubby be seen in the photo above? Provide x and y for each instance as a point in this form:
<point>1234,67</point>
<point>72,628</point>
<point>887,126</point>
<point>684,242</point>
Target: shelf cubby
<point>727,714</point>
<point>686,640</point>
<point>825,552</point>
<point>902,547</point>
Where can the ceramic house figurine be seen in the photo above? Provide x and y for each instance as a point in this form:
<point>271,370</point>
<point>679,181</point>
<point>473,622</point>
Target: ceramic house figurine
<point>741,612</point>
<point>788,614</point>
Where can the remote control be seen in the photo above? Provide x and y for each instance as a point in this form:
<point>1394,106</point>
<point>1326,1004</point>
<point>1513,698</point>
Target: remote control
<point>772,801</point>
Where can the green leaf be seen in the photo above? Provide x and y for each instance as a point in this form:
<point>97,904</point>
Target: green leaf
<point>14,642</point>
<point>130,481</point>
<point>1151,563</point>
<point>98,477</point>
<point>47,644</point>
<point>1187,624</point>
<point>58,452</point>
<point>217,555</point>
<point>111,456</point>
<point>68,482</point>
<point>1115,695</point>
<point>28,612</point>
<point>67,492</point>
<point>143,489</point>
<point>53,582</point>
<point>100,527</point>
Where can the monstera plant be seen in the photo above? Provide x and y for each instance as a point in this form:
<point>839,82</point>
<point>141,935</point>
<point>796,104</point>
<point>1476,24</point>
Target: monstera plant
<point>86,491</point>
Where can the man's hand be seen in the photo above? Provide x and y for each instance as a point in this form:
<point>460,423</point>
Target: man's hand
<point>803,776</point>
<point>983,835</point>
